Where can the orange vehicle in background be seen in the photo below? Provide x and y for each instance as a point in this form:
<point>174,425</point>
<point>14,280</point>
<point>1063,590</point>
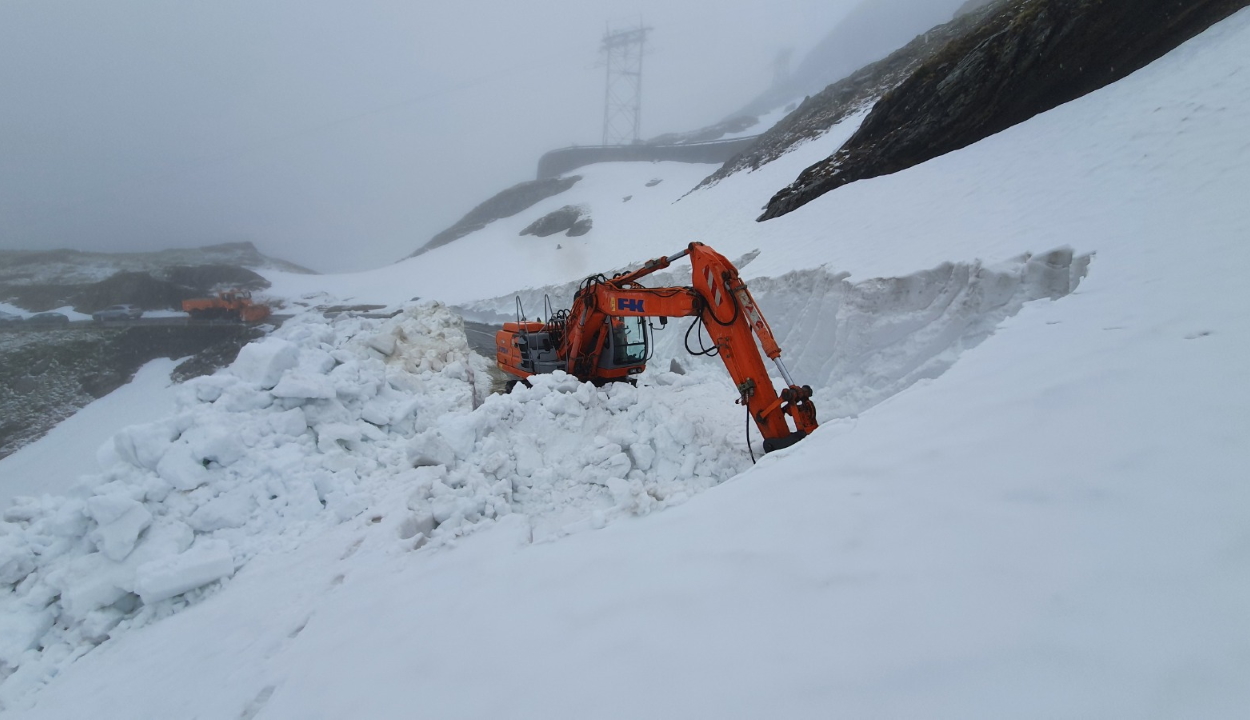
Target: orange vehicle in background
<point>603,338</point>
<point>230,305</point>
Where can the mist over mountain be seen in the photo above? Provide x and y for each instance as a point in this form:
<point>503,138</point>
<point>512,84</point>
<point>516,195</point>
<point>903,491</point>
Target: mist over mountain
<point>871,31</point>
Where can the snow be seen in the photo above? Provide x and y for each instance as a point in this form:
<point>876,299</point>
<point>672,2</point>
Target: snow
<point>765,121</point>
<point>1027,497</point>
<point>69,312</point>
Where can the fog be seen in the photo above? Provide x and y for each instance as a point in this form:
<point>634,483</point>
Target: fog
<point>341,136</point>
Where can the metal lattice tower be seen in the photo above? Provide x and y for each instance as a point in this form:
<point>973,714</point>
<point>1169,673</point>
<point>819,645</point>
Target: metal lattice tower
<point>622,101</point>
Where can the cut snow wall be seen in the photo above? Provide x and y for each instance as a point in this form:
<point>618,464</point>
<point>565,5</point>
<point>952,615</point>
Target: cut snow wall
<point>858,343</point>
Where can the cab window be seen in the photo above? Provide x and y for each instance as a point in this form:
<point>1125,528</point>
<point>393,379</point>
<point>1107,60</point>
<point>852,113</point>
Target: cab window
<point>629,341</point>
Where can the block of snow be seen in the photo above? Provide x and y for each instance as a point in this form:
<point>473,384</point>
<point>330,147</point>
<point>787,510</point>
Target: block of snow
<point>181,468</point>
<point>218,441</point>
<point>88,583</point>
<point>383,343</point>
<point>304,386</point>
<point>333,437</point>
<point>290,423</point>
<point>143,445</point>
<point>264,362</point>
<point>229,510</point>
<point>376,411</point>
<point>121,520</point>
<point>316,360</point>
<point>429,448</point>
<point>205,562</point>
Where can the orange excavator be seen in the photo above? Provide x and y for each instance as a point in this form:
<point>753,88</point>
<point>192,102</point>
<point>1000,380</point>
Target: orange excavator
<point>232,305</point>
<point>603,338</point>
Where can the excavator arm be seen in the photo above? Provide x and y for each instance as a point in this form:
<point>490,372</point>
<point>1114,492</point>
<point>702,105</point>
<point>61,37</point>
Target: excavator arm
<point>720,298</point>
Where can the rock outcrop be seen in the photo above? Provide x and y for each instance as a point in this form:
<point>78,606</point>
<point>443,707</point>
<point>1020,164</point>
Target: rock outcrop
<point>1021,58</point>
<point>571,220</point>
<point>518,198</point>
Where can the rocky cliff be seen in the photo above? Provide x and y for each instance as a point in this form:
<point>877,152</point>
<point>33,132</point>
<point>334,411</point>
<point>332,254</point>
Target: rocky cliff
<point>1017,59</point>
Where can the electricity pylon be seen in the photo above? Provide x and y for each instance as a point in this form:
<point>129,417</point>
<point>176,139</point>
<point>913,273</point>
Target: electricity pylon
<point>622,97</point>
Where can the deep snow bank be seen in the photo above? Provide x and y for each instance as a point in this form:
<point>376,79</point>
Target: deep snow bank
<point>295,435</point>
<point>322,422</point>
<point>857,343</point>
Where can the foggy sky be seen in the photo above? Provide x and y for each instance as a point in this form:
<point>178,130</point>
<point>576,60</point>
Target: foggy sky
<point>337,135</point>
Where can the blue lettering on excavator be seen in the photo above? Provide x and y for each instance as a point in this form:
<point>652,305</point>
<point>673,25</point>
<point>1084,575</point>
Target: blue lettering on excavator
<point>630,304</point>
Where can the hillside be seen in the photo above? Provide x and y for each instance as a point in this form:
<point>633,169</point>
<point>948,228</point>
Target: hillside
<point>1026,497</point>
<point>77,267</point>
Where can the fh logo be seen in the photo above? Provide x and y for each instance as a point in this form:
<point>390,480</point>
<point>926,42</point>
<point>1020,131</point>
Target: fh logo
<point>631,304</point>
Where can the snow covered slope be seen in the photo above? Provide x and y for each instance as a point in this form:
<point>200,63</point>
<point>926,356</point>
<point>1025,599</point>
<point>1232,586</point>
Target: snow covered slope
<point>1014,507</point>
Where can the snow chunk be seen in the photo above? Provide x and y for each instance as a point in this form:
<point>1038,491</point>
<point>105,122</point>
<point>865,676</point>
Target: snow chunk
<point>181,468</point>
<point>429,448</point>
<point>304,386</point>
<point>120,522</point>
<point>230,510</point>
<point>263,362</point>
<point>205,562</point>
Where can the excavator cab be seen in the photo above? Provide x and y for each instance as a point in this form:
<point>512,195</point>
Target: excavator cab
<point>627,346</point>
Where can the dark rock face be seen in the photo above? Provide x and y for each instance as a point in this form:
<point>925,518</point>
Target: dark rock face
<point>580,228</point>
<point>505,204</point>
<point>570,219</point>
<point>1021,58</point>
